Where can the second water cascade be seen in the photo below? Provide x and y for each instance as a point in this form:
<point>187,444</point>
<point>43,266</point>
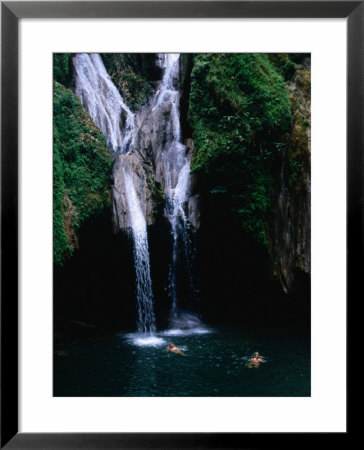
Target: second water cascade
<point>174,172</point>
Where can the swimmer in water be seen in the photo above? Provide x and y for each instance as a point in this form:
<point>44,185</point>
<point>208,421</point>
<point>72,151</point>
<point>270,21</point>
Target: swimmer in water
<point>256,358</point>
<point>174,349</point>
<point>255,361</point>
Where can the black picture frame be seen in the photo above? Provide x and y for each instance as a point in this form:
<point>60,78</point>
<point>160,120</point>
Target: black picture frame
<point>11,12</point>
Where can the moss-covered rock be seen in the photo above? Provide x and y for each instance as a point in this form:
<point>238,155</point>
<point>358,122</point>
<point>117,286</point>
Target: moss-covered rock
<point>157,193</point>
<point>131,74</point>
<point>82,167</point>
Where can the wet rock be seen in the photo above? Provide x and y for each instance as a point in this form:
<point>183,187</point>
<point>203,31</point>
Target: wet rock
<point>194,211</point>
<point>132,165</point>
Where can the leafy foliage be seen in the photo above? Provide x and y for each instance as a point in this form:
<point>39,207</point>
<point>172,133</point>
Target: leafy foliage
<point>239,113</point>
<point>294,172</point>
<point>62,68</point>
<point>288,70</point>
<point>82,166</point>
<point>298,57</point>
<point>285,63</point>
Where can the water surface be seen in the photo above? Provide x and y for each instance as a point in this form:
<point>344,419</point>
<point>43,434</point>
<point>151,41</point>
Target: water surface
<point>129,364</point>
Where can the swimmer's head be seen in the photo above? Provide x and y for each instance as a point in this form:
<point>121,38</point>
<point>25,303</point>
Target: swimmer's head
<point>171,345</point>
<point>256,354</point>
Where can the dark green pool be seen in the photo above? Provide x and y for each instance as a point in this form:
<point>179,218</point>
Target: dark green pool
<point>122,365</point>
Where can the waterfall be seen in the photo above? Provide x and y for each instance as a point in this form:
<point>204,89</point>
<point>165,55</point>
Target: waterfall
<point>156,129</point>
<point>103,102</point>
<point>146,319</point>
<point>174,167</point>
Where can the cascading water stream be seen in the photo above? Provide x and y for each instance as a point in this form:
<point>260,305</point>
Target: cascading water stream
<point>175,163</point>
<point>105,105</point>
<point>103,102</point>
<point>146,319</point>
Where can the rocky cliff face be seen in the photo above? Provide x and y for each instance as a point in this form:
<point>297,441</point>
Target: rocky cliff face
<point>289,232</point>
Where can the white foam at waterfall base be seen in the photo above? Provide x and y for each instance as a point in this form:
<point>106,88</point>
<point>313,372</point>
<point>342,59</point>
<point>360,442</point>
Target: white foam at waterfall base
<point>158,340</point>
<point>188,332</point>
<point>144,340</point>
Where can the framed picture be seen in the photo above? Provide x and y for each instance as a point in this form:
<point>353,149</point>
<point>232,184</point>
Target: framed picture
<point>180,222</point>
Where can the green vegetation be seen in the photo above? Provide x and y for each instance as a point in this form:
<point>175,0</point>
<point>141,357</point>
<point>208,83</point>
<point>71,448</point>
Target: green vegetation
<point>298,57</point>
<point>134,88</point>
<point>82,166</point>
<point>294,172</point>
<point>288,70</point>
<point>286,63</point>
<point>306,123</point>
<point>239,113</point>
<point>62,68</point>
